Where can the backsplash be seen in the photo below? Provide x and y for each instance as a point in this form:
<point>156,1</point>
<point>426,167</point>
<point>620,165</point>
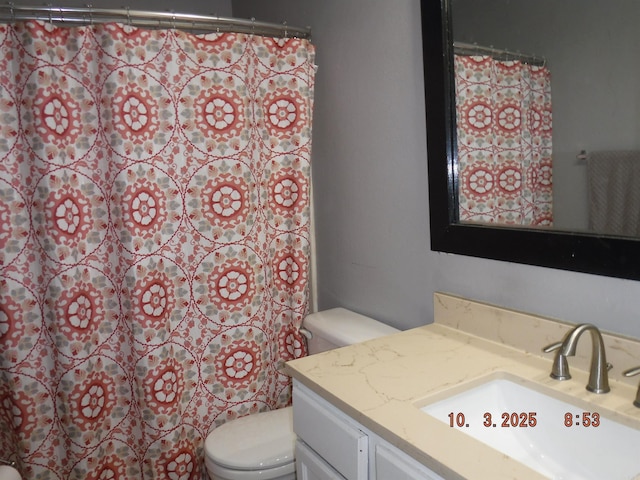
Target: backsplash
<point>531,333</point>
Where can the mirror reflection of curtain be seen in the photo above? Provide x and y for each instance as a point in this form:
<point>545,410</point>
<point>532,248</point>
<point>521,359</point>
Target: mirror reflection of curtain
<point>504,141</point>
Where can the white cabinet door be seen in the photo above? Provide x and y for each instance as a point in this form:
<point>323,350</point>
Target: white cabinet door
<point>311,466</point>
<point>331,434</point>
<point>333,446</point>
<point>392,464</point>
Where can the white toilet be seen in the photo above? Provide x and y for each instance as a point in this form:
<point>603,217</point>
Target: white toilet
<point>261,446</point>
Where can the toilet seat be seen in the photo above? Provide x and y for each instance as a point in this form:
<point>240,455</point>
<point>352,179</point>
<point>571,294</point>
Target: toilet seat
<point>261,444</point>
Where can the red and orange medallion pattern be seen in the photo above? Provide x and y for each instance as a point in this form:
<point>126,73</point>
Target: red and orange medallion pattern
<point>154,241</point>
<point>504,141</point>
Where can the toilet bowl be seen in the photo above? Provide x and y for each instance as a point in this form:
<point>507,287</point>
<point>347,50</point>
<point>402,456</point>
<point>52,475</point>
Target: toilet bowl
<point>256,446</point>
<point>261,446</point>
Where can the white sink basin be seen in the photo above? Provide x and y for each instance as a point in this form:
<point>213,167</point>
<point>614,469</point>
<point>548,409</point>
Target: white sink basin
<point>609,451</point>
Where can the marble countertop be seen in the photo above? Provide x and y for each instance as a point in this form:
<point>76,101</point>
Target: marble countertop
<point>382,383</point>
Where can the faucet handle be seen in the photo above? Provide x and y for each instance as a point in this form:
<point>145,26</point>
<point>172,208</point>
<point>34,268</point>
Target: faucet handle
<point>560,370</point>
<point>631,372</point>
<point>552,348</point>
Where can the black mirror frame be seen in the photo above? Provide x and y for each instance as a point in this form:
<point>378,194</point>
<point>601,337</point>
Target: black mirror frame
<point>600,255</point>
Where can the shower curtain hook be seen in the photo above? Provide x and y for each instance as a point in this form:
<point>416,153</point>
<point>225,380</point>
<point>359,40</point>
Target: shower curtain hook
<point>544,60</point>
<point>253,25</point>
<point>13,13</point>
<point>90,7</point>
<point>50,5</point>
<point>217,23</point>
<point>128,8</point>
<point>286,33</point>
<point>173,20</point>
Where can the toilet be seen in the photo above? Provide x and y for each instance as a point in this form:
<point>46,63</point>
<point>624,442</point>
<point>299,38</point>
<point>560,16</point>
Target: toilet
<point>261,446</point>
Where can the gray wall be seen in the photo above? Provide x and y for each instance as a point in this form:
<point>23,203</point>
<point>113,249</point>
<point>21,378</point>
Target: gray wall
<point>370,182</point>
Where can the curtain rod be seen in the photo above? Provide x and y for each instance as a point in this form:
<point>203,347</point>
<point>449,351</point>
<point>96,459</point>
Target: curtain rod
<point>89,15</point>
<point>473,49</point>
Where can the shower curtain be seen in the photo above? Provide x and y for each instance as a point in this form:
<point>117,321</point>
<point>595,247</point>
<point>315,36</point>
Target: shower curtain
<point>154,241</point>
<point>503,111</point>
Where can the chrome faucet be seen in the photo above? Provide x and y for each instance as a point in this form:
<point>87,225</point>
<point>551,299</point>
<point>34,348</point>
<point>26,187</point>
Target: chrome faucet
<point>598,373</point>
<point>630,373</point>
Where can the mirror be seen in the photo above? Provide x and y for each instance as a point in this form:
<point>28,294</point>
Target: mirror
<point>537,111</point>
<point>570,247</point>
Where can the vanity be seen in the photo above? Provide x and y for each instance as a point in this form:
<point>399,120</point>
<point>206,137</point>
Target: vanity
<point>334,446</point>
<point>386,408</point>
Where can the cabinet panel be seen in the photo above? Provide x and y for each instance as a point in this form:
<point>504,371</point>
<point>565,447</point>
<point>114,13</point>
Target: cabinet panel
<point>333,446</point>
<point>331,434</point>
<point>393,464</point>
<point>310,466</point>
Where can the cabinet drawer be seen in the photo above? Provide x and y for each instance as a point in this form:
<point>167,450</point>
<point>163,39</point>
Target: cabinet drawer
<point>311,466</point>
<point>330,433</point>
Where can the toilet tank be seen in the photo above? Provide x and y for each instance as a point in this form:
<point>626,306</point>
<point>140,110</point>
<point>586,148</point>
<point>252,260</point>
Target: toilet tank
<point>339,327</point>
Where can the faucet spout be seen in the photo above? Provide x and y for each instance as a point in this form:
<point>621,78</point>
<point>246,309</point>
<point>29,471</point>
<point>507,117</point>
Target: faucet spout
<point>598,372</point>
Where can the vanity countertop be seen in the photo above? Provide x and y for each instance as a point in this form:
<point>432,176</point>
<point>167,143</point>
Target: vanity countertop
<point>382,383</point>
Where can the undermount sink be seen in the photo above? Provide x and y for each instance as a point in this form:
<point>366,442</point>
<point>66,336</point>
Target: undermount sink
<point>576,452</point>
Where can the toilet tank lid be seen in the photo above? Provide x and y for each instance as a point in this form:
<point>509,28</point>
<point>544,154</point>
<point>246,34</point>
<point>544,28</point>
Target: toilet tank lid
<point>254,442</point>
<point>344,327</point>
